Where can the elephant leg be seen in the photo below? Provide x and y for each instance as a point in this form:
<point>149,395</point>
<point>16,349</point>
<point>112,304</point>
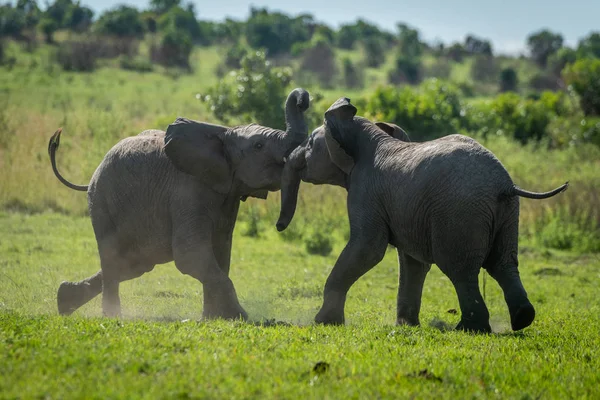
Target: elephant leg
<point>194,256</point>
<point>358,257</point>
<point>502,265</point>
<point>118,267</point>
<point>72,295</point>
<point>222,251</point>
<point>475,316</point>
<point>410,289</point>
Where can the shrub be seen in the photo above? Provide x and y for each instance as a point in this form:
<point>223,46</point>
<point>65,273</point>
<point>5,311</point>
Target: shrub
<point>121,21</point>
<point>408,69</point>
<point>374,52</point>
<point>544,81</point>
<point>173,50</point>
<point>484,68</point>
<point>139,64</point>
<point>353,74</point>
<point>584,77</point>
<point>78,55</point>
<point>254,93</point>
<point>430,111</point>
<point>508,80</point>
<point>319,60</point>
<point>253,223</point>
<point>318,242</point>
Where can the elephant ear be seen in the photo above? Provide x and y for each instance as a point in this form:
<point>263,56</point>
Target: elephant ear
<point>338,155</point>
<point>393,130</point>
<point>196,148</point>
<point>340,112</point>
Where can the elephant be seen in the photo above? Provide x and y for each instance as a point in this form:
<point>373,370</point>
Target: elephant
<point>174,196</point>
<point>448,201</point>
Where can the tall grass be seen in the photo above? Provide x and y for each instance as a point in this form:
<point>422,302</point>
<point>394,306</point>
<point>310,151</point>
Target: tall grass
<point>98,109</point>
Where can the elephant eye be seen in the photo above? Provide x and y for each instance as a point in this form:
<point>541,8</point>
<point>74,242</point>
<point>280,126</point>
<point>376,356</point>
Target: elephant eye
<point>258,145</point>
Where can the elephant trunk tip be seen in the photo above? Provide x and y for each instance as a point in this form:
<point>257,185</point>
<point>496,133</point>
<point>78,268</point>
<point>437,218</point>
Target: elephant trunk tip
<point>281,225</point>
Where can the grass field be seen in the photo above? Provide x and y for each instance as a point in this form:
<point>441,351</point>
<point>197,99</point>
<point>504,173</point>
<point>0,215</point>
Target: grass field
<point>160,349</point>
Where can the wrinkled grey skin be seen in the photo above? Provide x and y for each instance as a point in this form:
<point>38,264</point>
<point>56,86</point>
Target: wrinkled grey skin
<point>448,201</point>
<point>174,195</point>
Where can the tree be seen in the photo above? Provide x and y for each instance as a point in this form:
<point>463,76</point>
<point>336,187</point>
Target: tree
<point>584,77</point>
<point>558,61</point>
<point>353,74</point>
<point>484,68</point>
<point>508,80</point>
<point>407,70</point>
<point>162,6</point>
<point>122,21</point>
<point>590,45</point>
<point>12,21</point>
<point>182,20</point>
<point>275,32</point>
<point>78,18</point>
<point>374,52</point>
<point>32,12</point>
<point>456,52</point>
<point>543,44</point>
<point>477,46</point>
<point>410,42</point>
<point>255,93</point>
<point>319,59</point>
<point>48,26</point>
<point>174,49</point>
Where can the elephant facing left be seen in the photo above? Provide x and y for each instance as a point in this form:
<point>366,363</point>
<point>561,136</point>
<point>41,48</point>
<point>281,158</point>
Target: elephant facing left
<point>174,196</point>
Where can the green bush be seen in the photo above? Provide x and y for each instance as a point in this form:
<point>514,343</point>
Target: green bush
<point>562,230</point>
<point>508,80</point>
<point>174,49</point>
<point>139,64</point>
<point>318,242</point>
<point>254,93</point>
<point>584,77</point>
<point>430,111</point>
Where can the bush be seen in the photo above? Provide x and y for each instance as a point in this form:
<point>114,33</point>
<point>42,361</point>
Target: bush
<point>508,80</point>
<point>121,21</point>
<point>353,74</point>
<point>430,111</point>
<point>440,68</point>
<point>584,77</point>
<point>319,61</point>
<point>173,50</point>
<point>318,242</point>
<point>138,64</point>
<point>254,93</point>
<point>544,81</point>
<point>408,70</point>
<point>374,52</point>
<point>80,56</point>
<point>484,69</point>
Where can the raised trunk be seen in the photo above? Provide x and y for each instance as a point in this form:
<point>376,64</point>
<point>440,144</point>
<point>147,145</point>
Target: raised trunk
<point>296,104</point>
<point>290,184</point>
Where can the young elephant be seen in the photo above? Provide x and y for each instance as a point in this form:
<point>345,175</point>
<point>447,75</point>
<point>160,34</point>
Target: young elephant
<point>448,201</point>
<point>174,195</point>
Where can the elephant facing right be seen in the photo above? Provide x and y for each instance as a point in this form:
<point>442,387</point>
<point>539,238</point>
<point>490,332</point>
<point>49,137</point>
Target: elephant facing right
<point>447,201</point>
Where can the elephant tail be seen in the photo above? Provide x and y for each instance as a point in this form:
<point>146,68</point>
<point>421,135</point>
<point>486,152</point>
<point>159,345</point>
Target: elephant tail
<point>517,191</point>
<point>52,146</point>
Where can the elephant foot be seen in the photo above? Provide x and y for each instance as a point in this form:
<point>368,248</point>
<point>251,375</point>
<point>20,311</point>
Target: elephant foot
<point>230,313</point>
<point>222,302</point>
<point>69,297</point>
<point>522,317</point>
<point>474,326</point>
<point>329,317</point>
<point>407,321</point>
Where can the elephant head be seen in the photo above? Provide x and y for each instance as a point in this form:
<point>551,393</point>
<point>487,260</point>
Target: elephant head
<point>245,160</point>
<point>319,160</point>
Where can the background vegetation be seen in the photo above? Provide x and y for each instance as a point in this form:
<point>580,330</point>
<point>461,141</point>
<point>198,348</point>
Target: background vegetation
<point>108,76</point>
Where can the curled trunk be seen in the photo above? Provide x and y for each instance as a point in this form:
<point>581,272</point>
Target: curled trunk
<point>296,104</point>
<point>290,184</point>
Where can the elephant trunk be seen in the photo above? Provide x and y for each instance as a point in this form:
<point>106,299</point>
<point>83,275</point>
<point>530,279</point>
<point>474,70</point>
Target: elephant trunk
<point>290,184</point>
<point>296,104</point>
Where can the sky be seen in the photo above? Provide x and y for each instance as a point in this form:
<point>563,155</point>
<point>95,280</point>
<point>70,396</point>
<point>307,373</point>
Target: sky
<point>506,23</point>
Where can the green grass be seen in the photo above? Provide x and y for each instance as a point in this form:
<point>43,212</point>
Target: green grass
<point>160,349</point>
